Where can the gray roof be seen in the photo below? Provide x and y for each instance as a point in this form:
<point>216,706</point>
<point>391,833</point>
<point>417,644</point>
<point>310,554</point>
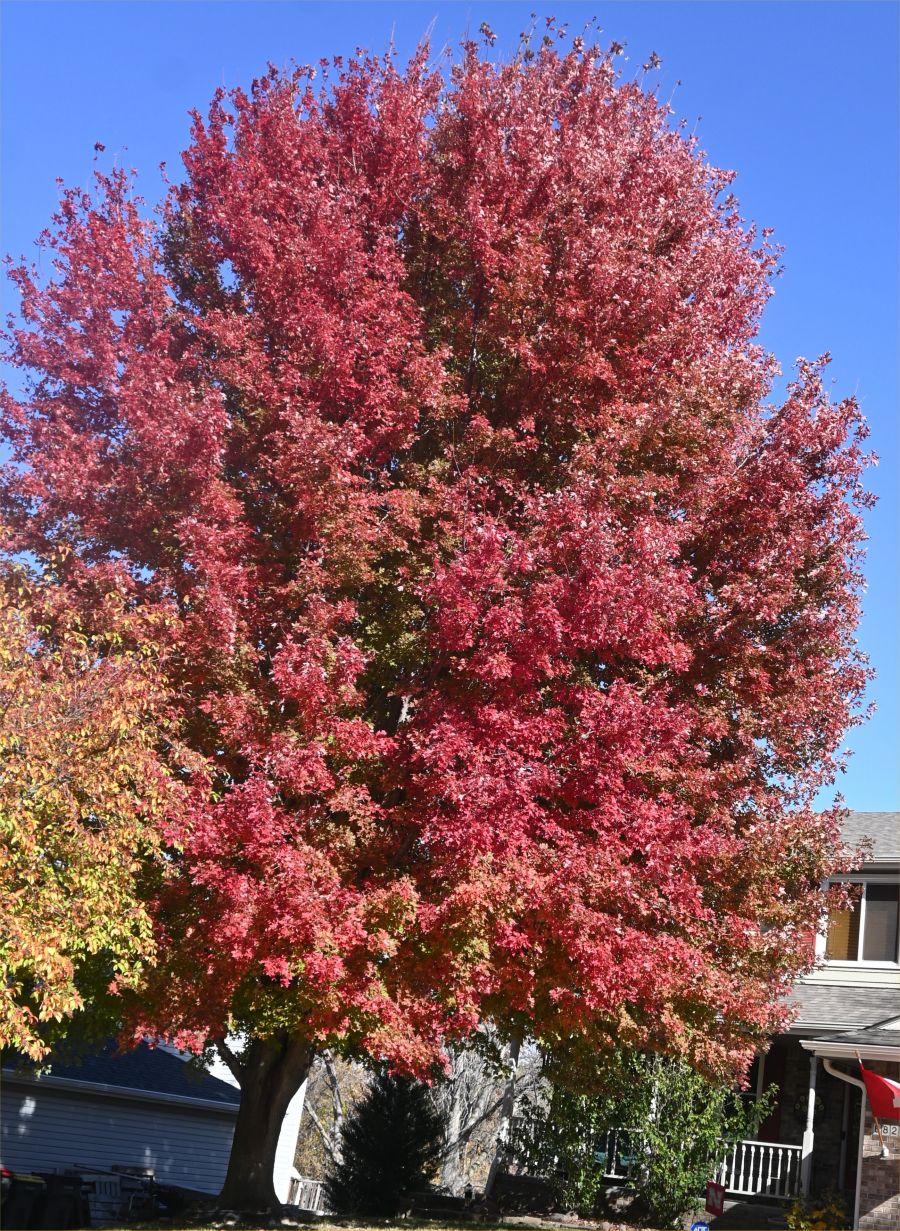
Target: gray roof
<point>875,1044</point>
<point>145,1069</point>
<point>824,1007</point>
<point>864,1038</point>
<point>882,827</point>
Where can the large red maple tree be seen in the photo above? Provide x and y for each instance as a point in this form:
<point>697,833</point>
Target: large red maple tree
<point>513,624</point>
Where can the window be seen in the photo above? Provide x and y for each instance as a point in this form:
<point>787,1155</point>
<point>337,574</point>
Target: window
<point>843,931</point>
<point>882,909</point>
<point>868,931</point>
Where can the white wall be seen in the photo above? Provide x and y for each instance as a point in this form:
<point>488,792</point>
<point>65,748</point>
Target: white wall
<point>45,1129</point>
<point>287,1145</point>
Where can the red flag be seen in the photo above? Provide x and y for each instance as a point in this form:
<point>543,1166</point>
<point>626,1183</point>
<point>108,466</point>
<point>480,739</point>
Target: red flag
<point>715,1198</point>
<point>884,1095</point>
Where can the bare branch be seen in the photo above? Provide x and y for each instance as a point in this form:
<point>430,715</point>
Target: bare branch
<point>465,1133</point>
<point>323,1133</point>
<point>333,1080</point>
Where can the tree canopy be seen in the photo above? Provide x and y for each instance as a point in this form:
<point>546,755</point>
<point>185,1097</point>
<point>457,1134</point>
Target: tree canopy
<point>512,623</point>
<point>82,794</point>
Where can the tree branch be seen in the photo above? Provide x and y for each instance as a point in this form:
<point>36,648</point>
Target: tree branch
<point>333,1080</point>
<point>465,1133</point>
<point>230,1060</point>
<point>323,1133</point>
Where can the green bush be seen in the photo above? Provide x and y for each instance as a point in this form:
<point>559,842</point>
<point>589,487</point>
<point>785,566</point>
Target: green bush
<point>827,1212</point>
<point>671,1123</point>
<point>390,1146</point>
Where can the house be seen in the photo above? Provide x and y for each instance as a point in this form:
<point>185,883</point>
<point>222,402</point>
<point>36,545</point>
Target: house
<point>870,1157</point>
<point>144,1110</point>
<point>820,1135</point>
<point>140,1110</point>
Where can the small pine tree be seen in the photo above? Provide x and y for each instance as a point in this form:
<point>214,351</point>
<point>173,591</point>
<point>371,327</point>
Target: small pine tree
<point>390,1146</point>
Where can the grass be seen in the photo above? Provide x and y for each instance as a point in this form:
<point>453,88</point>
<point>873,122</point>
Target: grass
<point>339,1224</point>
<point>264,1224</point>
<point>346,1224</point>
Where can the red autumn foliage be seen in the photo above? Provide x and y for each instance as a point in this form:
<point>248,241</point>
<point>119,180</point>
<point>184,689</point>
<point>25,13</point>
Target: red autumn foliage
<point>514,625</point>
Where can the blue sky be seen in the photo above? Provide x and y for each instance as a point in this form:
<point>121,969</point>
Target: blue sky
<point>798,98</point>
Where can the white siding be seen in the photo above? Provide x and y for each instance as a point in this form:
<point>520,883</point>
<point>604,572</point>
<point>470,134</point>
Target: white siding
<point>287,1146</point>
<point>44,1129</point>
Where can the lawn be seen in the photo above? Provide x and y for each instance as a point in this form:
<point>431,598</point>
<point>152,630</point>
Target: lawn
<point>400,1224</point>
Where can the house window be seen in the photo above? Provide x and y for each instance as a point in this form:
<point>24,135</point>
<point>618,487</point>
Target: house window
<point>843,930</point>
<point>868,931</point>
<point>882,910</point>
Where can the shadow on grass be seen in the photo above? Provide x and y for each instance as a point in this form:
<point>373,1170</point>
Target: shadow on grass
<point>268,1222</point>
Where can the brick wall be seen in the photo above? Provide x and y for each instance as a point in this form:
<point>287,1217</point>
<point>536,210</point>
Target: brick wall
<point>829,1114</point>
<point>879,1202</point>
<point>829,1131</point>
<point>796,1086</point>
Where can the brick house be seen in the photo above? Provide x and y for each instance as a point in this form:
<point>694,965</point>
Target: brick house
<point>871,1158</point>
<point>811,1143</point>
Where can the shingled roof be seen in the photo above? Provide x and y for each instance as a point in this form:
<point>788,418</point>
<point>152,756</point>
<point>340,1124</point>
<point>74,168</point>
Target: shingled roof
<point>826,1007</point>
<point>883,828</point>
<point>147,1069</point>
<point>878,1043</point>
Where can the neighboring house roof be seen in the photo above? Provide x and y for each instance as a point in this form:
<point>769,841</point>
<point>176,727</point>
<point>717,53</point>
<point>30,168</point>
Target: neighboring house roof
<point>823,1007</point>
<point>883,828</point>
<point>145,1071</point>
<point>875,1044</point>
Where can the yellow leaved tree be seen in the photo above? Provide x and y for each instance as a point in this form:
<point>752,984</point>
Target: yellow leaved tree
<point>82,796</point>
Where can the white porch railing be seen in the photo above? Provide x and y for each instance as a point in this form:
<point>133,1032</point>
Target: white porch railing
<point>761,1169</point>
<point>307,1194</point>
<point>749,1168</point>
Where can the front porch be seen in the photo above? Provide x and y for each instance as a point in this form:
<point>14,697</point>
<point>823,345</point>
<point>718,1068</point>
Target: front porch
<point>798,1149</point>
<point>820,1138</point>
<point>807,1146</point>
<point>815,1121</point>
<point>762,1169</point>
<point>749,1169</point>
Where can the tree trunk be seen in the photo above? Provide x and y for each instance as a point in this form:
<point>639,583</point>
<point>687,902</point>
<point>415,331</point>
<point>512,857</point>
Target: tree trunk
<point>506,1115</point>
<point>467,1101</point>
<point>270,1073</point>
<point>337,1107</point>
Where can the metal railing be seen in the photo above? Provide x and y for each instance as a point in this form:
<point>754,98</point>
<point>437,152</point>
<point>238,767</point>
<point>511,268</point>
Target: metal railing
<point>761,1169</point>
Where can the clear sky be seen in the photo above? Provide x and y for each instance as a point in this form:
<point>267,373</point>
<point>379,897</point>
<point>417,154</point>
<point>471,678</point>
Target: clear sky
<point>798,98</point>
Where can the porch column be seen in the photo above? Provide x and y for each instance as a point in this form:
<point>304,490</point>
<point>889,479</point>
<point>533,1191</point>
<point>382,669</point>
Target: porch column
<point>808,1136</point>
<point>760,1085</point>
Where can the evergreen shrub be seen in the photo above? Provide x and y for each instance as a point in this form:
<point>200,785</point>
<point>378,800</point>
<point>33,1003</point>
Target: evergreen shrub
<point>390,1146</point>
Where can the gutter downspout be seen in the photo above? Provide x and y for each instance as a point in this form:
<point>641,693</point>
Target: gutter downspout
<point>853,1081</point>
